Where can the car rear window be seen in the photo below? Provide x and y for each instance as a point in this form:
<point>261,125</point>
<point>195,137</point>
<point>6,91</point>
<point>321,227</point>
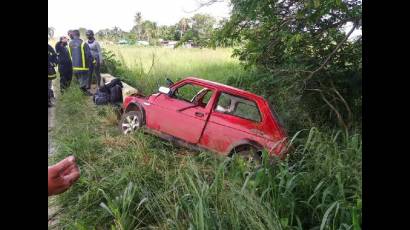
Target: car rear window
<point>238,106</point>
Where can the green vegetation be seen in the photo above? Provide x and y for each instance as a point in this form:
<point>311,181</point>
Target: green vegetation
<point>139,181</point>
<point>147,67</point>
<point>198,30</point>
<point>304,56</point>
<point>294,53</point>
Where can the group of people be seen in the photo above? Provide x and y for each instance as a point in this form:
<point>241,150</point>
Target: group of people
<point>75,57</point>
<point>82,59</point>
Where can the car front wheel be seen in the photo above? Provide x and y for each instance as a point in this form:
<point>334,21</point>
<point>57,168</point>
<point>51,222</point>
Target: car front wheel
<point>130,122</point>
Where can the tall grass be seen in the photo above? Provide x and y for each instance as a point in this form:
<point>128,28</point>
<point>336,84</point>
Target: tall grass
<point>147,67</point>
<point>139,181</point>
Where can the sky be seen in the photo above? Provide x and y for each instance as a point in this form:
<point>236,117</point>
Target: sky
<point>102,14</point>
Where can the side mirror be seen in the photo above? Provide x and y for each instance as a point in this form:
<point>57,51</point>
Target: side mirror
<point>164,90</point>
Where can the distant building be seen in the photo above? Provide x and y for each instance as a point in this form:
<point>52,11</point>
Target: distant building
<point>142,43</point>
<point>168,44</point>
<point>122,42</point>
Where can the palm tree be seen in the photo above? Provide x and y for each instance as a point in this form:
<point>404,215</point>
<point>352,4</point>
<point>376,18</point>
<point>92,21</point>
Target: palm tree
<point>137,27</point>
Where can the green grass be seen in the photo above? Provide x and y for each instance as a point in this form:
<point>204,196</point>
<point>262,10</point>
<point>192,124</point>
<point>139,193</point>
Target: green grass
<point>141,182</point>
<point>147,67</point>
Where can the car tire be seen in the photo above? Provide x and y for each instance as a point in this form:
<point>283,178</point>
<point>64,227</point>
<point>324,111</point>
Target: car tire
<point>130,122</point>
<point>250,154</point>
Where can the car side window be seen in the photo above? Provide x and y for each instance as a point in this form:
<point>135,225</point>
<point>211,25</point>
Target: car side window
<point>238,106</point>
<point>191,93</point>
<point>207,97</point>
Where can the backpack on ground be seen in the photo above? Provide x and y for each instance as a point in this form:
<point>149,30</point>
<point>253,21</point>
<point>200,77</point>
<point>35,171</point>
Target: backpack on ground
<point>101,98</point>
<point>116,94</point>
<point>109,93</point>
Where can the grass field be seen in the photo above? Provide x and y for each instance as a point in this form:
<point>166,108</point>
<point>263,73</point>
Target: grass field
<point>146,67</point>
<point>141,182</point>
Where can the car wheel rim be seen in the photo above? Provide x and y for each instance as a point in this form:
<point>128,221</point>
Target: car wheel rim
<point>130,124</point>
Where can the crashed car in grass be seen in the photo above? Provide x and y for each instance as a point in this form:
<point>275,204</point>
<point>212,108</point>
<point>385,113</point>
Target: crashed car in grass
<point>202,114</point>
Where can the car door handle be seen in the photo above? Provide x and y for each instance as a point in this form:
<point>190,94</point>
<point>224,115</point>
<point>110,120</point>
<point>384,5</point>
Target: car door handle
<point>199,114</point>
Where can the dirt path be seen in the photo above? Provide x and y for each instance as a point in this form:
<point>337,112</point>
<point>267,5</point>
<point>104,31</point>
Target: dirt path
<point>53,209</point>
<point>51,112</point>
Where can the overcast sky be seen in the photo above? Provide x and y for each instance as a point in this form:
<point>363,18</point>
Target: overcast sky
<point>101,14</point>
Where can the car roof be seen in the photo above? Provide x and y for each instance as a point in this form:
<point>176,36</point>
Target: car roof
<point>223,86</point>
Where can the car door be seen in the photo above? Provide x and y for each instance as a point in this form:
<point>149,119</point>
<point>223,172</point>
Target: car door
<point>233,119</point>
<point>179,116</point>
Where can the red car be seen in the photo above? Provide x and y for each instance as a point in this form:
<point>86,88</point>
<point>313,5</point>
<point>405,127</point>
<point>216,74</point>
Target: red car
<point>207,115</point>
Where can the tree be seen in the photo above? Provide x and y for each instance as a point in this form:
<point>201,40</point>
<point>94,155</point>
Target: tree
<point>198,28</point>
<point>168,32</point>
<point>137,28</point>
<point>113,34</point>
<point>148,30</point>
<point>82,32</point>
<point>183,25</point>
<point>302,45</point>
<point>117,32</point>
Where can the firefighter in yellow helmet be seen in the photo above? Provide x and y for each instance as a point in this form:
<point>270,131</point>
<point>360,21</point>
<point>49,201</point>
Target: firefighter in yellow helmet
<point>81,59</point>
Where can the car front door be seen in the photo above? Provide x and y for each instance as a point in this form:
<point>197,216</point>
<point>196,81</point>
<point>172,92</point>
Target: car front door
<point>185,112</point>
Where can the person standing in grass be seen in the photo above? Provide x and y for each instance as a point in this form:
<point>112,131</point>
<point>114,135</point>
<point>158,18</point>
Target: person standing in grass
<point>96,53</point>
<point>70,35</point>
<point>52,62</point>
<point>81,59</point>
<point>65,67</point>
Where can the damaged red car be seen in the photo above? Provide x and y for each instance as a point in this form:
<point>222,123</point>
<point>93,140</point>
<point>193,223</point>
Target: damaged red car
<point>202,114</point>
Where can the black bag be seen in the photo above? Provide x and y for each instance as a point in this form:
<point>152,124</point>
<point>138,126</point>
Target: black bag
<point>109,93</point>
<point>107,87</point>
<point>113,83</point>
<point>116,94</point>
<point>100,98</point>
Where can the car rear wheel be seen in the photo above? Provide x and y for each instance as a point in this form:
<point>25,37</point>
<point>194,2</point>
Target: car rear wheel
<point>130,122</point>
<point>250,155</point>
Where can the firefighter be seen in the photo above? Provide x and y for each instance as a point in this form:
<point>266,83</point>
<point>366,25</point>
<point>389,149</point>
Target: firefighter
<point>95,49</point>
<point>52,62</point>
<point>70,34</point>
<point>81,59</point>
<point>65,67</point>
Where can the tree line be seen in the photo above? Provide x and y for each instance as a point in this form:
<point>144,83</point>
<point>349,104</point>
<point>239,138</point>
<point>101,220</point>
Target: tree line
<point>198,29</point>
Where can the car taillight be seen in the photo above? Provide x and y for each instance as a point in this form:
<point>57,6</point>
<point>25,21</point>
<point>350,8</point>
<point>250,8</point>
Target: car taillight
<point>278,148</point>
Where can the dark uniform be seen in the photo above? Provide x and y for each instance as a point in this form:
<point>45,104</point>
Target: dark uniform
<point>96,64</point>
<point>81,59</point>
<point>52,61</point>
<point>65,67</point>
<point>96,53</point>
